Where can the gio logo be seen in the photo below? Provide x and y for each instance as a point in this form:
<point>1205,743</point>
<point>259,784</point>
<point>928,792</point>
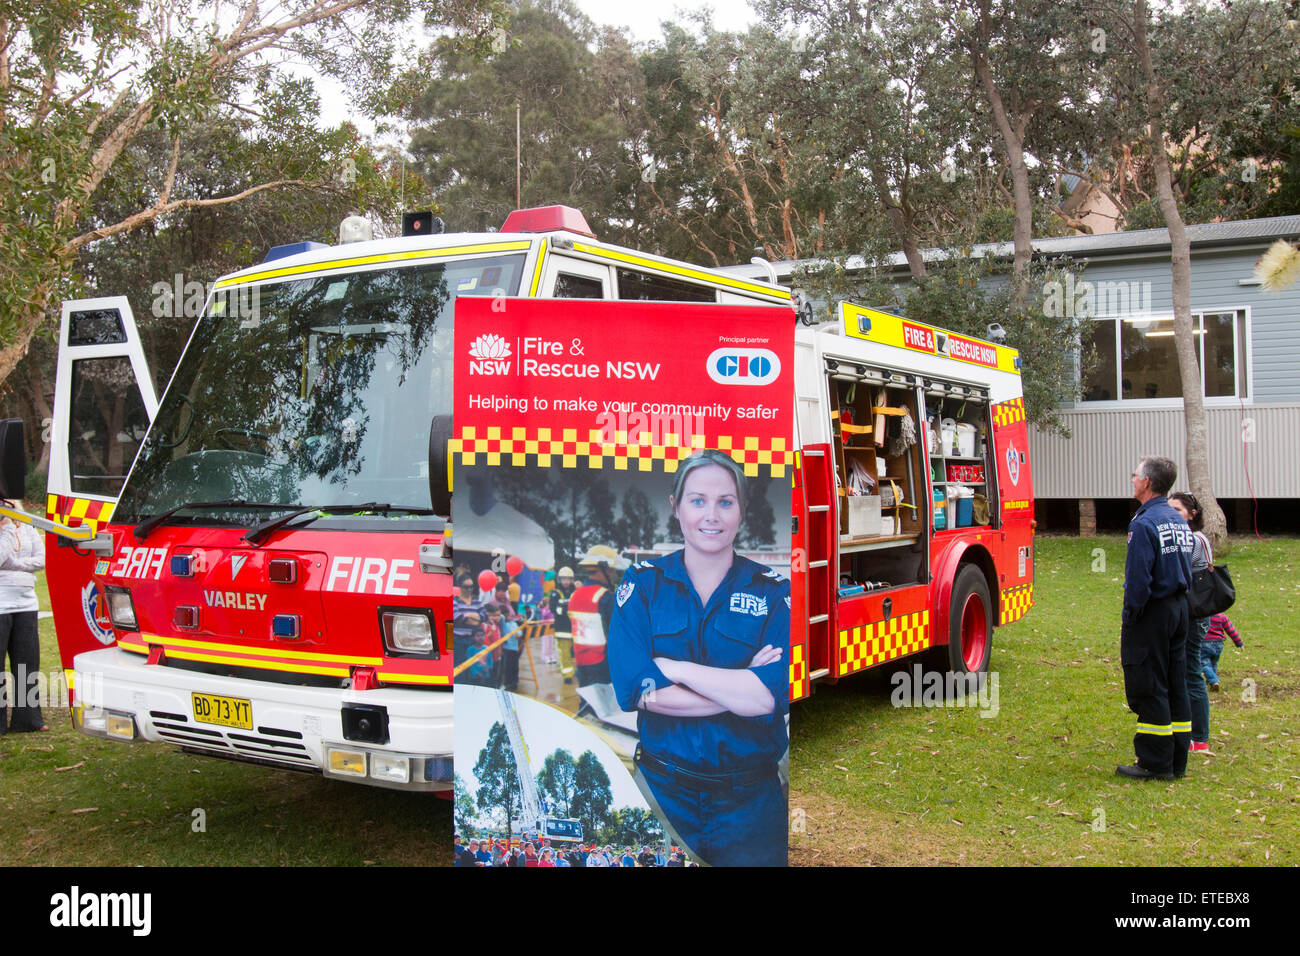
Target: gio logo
<point>491,353</point>
<point>733,366</point>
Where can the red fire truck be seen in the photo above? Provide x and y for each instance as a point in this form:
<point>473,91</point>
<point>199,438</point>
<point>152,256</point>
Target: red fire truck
<point>913,502</point>
<point>270,581</point>
<point>258,565</point>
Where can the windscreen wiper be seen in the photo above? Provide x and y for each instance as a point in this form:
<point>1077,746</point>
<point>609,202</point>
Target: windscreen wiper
<point>263,529</point>
<point>146,527</point>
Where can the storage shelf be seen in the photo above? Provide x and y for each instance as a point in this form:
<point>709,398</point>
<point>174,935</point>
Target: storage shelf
<point>854,448</point>
<point>851,545</point>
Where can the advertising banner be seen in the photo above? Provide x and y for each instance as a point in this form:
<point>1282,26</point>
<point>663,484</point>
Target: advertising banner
<point>621,494</point>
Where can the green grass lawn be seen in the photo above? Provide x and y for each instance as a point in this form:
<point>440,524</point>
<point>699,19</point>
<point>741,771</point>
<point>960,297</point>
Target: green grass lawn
<point>1036,783</point>
<point>870,783</point>
<point>71,800</point>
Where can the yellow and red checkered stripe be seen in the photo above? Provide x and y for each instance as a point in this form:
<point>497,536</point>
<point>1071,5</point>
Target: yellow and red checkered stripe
<point>278,659</point>
<point>871,644</point>
<point>70,511</point>
<point>798,672</point>
<point>516,445</point>
<point>1008,413</point>
<point>1015,602</point>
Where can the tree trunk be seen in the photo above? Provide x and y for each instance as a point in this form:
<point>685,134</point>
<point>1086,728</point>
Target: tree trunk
<point>33,317</point>
<point>898,219</point>
<point>1013,141</point>
<point>1180,251</point>
<point>43,412</point>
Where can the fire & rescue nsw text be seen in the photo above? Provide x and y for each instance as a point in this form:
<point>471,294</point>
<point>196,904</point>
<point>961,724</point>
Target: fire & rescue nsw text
<point>544,358</point>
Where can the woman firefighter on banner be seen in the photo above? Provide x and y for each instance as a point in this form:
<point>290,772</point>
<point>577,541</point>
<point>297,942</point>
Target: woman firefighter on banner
<point>697,647</point>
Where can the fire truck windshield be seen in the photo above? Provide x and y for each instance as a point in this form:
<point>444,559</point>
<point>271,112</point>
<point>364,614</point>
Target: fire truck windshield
<point>562,829</point>
<point>310,390</point>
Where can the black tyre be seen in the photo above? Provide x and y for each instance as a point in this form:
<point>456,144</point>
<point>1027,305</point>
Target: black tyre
<point>970,623</point>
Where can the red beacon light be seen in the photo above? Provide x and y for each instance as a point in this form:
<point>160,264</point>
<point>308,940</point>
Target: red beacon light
<point>548,219</point>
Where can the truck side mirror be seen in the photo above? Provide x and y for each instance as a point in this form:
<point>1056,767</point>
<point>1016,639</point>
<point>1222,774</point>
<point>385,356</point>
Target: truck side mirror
<point>13,459</point>
<point>439,436</point>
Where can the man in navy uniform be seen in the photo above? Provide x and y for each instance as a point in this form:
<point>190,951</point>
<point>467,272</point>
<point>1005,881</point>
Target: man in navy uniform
<point>1153,638</point>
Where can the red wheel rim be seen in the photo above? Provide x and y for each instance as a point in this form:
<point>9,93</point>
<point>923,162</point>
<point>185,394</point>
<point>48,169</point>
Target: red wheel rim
<point>974,632</point>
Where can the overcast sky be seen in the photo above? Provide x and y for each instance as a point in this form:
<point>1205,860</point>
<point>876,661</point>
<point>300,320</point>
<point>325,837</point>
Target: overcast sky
<point>642,18</point>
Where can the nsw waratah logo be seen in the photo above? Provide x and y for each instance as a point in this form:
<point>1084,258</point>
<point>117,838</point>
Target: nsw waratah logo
<point>733,366</point>
<point>491,353</point>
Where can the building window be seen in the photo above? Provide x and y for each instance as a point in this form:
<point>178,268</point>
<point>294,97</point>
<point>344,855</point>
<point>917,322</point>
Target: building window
<point>1137,360</point>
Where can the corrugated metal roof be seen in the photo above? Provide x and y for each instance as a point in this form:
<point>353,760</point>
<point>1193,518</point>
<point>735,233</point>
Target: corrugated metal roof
<point>1245,231</point>
<point>1205,234</point>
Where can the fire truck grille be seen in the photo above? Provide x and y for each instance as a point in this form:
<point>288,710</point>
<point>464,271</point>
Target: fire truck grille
<point>266,743</point>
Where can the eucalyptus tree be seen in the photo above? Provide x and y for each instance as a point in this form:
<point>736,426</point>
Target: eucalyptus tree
<point>557,780</point>
<point>165,266</point>
<point>732,165</point>
<point>500,792</point>
<point>890,110</point>
<point>565,87</point>
<point>1031,65</point>
<point>80,80</point>
<point>1198,75</point>
<point>593,794</point>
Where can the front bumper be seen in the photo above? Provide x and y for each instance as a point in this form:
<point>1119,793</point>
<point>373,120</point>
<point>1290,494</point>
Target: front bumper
<point>121,697</point>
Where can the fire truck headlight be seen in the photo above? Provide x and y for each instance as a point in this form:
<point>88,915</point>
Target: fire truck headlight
<point>392,767</point>
<point>349,763</point>
<point>120,727</point>
<point>407,631</point>
<point>92,720</point>
<point>120,609</point>
<point>98,722</point>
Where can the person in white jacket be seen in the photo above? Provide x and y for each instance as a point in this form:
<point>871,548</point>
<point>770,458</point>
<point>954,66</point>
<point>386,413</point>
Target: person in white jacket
<point>22,552</point>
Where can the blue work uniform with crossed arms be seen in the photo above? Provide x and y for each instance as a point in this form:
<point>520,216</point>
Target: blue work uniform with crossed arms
<point>714,778</point>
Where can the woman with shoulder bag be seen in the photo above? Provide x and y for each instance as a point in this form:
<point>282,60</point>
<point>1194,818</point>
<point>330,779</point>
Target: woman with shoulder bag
<point>1202,558</point>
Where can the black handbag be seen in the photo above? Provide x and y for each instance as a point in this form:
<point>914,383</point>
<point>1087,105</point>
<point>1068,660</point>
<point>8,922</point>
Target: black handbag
<point>1211,592</point>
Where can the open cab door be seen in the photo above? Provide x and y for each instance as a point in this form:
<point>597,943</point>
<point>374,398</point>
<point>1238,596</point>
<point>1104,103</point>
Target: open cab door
<point>104,402</point>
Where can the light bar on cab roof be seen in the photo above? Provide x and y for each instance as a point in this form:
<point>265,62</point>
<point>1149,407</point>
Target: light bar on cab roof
<point>548,219</point>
